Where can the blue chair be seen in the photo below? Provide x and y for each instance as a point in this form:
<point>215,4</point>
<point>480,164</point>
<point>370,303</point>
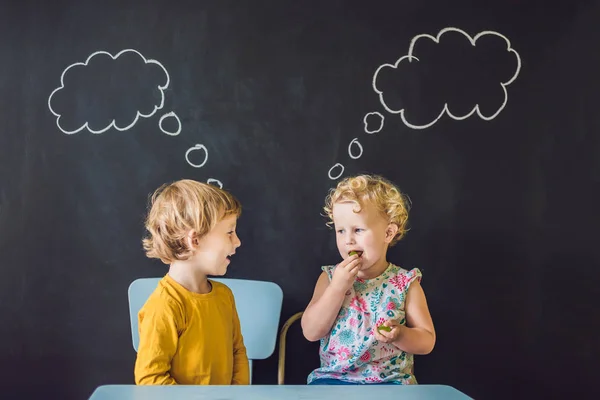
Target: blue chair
<point>258,305</point>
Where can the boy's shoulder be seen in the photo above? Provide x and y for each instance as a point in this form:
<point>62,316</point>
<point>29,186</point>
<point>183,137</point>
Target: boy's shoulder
<point>168,291</point>
<point>219,285</point>
<point>220,288</point>
<point>165,295</point>
<point>168,298</point>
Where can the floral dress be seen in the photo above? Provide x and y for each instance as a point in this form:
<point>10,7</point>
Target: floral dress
<point>350,352</point>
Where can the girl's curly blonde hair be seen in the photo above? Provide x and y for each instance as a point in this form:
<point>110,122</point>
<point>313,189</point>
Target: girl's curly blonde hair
<point>180,207</point>
<point>376,190</point>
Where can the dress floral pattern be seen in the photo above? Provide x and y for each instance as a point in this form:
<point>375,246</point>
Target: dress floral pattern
<point>350,352</point>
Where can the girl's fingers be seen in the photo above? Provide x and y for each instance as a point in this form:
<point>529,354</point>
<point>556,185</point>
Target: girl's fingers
<point>350,260</point>
<point>354,269</point>
<point>382,335</point>
<point>352,264</point>
<point>388,333</point>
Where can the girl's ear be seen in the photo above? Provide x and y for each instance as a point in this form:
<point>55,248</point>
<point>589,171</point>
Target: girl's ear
<point>390,232</point>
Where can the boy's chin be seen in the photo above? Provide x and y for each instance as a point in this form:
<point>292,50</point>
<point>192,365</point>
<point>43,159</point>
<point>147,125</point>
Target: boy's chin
<point>218,271</point>
<point>223,270</point>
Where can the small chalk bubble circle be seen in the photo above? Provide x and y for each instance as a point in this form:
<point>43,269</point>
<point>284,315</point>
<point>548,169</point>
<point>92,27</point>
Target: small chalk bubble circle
<point>197,147</point>
<point>356,143</point>
<point>334,177</point>
<point>216,182</point>
<point>170,115</point>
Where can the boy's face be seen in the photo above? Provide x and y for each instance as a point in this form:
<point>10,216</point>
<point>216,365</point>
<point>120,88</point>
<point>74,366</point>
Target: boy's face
<point>366,231</point>
<point>214,249</point>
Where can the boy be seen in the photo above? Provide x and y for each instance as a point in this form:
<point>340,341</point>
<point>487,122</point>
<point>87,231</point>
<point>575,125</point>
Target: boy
<point>189,328</point>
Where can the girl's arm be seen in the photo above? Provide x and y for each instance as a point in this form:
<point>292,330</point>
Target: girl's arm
<point>418,336</point>
<point>321,312</point>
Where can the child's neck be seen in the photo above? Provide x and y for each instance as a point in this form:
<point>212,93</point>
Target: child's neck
<point>189,278</point>
<point>377,269</point>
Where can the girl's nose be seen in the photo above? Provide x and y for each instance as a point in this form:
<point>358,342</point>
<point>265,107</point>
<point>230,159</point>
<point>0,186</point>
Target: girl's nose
<point>349,239</point>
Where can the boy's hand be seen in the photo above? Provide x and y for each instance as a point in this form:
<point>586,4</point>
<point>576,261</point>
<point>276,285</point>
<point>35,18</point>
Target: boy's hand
<point>345,273</point>
<point>395,331</point>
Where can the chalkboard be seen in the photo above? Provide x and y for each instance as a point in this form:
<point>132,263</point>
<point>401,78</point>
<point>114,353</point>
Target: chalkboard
<point>484,113</point>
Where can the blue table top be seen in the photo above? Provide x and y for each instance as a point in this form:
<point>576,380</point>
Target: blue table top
<point>278,392</point>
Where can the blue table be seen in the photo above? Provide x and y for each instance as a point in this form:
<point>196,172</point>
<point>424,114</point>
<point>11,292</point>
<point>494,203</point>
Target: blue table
<point>278,392</point>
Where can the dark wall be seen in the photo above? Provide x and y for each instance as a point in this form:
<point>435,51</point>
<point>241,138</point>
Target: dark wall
<point>504,219</point>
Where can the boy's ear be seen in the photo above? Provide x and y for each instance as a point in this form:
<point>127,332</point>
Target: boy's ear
<point>390,232</point>
<point>192,240</point>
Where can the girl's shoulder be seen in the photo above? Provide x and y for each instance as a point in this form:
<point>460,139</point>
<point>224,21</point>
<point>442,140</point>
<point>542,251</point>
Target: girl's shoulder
<point>413,272</point>
<point>402,278</point>
<point>328,269</point>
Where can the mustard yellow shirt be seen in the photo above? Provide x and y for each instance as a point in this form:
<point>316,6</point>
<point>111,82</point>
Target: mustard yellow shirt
<point>189,338</point>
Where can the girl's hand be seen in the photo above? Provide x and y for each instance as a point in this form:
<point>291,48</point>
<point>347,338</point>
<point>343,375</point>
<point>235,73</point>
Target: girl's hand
<point>345,273</point>
<point>395,331</point>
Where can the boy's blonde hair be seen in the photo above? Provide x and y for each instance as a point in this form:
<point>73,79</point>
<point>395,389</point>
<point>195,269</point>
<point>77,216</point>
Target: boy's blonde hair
<point>376,190</point>
<point>182,206</point>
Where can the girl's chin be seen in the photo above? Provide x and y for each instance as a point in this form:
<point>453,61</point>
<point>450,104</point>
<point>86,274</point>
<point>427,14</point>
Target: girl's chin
<point>365,265</point>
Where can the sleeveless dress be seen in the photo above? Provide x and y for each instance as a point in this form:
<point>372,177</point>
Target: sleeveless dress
<point>350,352</point>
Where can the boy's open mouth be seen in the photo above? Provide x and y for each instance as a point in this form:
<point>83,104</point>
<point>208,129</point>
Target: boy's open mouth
<point>353,252</point>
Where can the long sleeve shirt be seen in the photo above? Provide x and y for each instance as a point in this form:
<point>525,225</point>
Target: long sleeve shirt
<point>190,338</point>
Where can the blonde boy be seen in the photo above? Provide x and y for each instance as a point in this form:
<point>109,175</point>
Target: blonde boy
<point>189,328</point>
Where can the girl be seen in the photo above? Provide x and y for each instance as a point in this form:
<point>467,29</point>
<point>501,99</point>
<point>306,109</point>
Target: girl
<point>370,315</point>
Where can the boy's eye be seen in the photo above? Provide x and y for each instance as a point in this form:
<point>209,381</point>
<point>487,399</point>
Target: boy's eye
<point>340,231</point>
<point>359,230</point>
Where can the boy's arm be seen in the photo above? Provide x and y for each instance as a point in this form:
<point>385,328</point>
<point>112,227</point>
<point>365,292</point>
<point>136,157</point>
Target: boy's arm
<point>241,367</point>
<point>158,343</point>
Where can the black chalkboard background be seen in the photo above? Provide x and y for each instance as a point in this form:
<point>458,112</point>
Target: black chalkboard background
<point>505,212</point>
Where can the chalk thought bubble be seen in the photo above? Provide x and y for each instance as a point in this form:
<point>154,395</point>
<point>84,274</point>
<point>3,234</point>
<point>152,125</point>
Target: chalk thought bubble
<point>467,70</point>
<point>108,91</point>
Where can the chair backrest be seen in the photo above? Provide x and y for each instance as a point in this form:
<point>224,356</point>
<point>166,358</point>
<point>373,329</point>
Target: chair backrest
<point>282,341</point>
<point>258,305</point>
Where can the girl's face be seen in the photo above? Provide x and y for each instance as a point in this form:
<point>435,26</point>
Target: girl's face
<point>366,231</point>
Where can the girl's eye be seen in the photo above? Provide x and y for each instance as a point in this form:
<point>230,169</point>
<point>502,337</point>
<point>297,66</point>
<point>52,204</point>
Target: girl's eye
<point>340,231</point>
